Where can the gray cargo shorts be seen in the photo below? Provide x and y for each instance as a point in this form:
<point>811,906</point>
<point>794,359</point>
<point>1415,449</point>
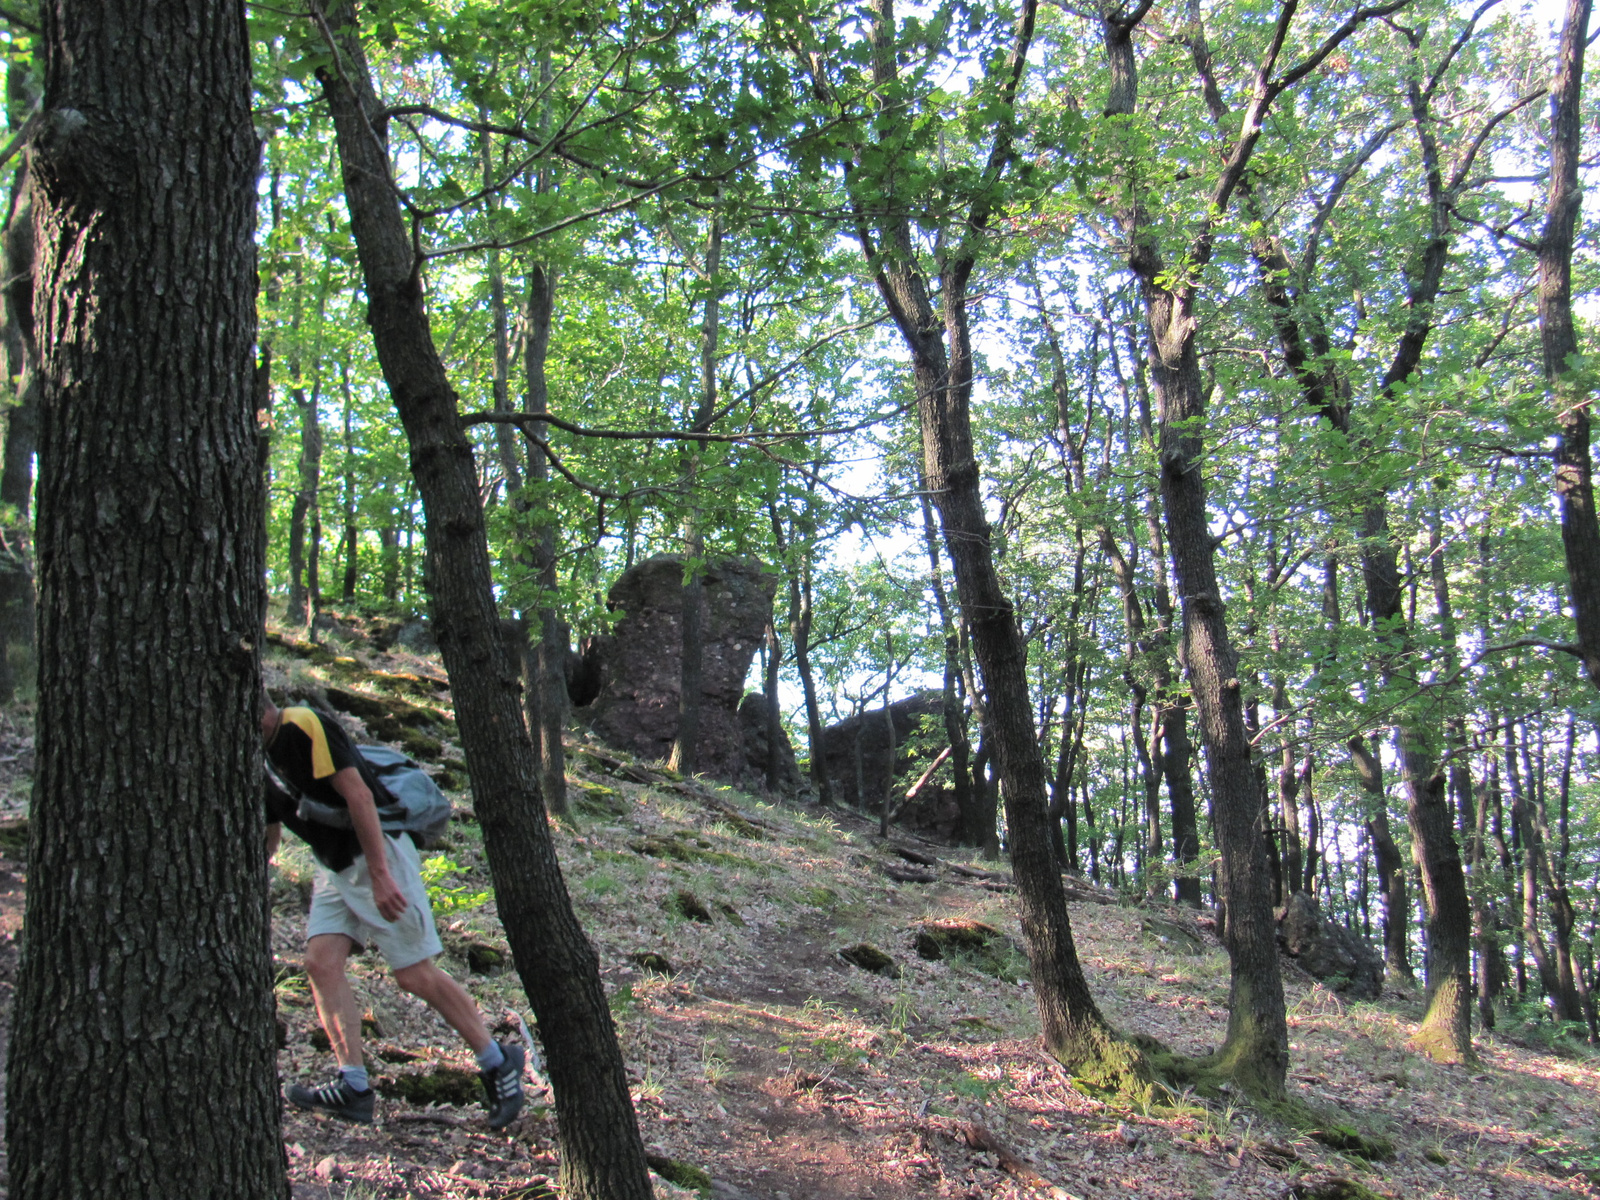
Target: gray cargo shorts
<point>341,902</point>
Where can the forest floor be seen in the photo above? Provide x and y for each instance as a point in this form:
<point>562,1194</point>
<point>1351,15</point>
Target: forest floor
<point>761,1057</point>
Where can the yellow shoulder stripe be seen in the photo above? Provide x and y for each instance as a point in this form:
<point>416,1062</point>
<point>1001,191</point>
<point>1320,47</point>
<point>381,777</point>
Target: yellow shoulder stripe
<point>309,723</point>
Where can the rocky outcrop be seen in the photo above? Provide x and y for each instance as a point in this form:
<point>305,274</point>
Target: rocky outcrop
<point>630,677</point>
<point>867,736</point>
<point>1328,951</point>
<point>753,725</point>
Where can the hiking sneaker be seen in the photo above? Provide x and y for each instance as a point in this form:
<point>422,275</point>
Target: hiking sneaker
<point>503,1087</point>
<point>337,1099</point>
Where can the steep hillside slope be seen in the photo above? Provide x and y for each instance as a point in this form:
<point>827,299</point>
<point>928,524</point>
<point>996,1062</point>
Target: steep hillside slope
<point>766,1063</point>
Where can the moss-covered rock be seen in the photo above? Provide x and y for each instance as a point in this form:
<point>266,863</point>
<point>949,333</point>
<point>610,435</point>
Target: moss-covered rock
<point>981,947</point>
<point>684,903</point>
<point>685,847</point>
<point>411,726</point>
<point>484,959</point>
<point>1333,1189</point>
<point>1350,1140</point>
<point>442,1085</point>
<point>869,958</point>
<point>1173,936</point>
<point>596,799</point>
<point>650,961</point>
<point>685,1175</point>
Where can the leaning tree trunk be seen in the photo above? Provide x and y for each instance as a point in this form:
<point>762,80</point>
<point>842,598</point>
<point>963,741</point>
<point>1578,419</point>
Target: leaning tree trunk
<point>601,1153</point>
<point>143,1050</point>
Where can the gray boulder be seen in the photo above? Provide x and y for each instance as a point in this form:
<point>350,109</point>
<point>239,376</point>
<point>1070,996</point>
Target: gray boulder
<point>634,672</point>
<point>1329,951</point>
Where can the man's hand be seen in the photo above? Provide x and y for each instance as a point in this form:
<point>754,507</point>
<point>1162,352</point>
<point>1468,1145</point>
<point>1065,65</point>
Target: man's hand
<point>386,894</point>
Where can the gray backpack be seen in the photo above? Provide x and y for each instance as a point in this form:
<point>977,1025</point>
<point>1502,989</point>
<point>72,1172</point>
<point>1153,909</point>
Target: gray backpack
<point>413,803</point>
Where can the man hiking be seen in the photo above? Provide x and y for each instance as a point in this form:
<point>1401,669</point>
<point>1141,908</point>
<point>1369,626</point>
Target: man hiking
<point>368,889</point>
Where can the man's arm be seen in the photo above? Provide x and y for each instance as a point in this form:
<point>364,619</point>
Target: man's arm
<point>386,893</point>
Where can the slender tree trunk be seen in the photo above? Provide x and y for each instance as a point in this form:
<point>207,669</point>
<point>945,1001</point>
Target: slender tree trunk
<point>800,635</point>
<point>774,713</point>
<point>309,476</point>
<point>1073,1028</point>
<point>548,691</point>
<point>890,748</point>
<point>1523,804</point>
<point>145,977</point>
<point>1255,1053</point>
<point>1391,865</point>
<point>971,831</point>
<point>602,1156</point>
<point>352,532</point>
<point>1570,393</point>
<point>685,756</point>
<point>21,428</point>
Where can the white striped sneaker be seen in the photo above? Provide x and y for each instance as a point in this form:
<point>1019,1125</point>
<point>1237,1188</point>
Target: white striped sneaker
<point>503,1087</point>
<point>337,1099</point>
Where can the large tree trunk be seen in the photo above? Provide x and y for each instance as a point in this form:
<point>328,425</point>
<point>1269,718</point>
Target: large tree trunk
<point>143,1052</point>
<point>601,1153</point>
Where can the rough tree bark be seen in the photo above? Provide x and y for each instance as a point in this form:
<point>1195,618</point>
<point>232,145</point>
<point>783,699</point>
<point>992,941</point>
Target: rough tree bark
<point>601,1153</point>
<point>145,979</point>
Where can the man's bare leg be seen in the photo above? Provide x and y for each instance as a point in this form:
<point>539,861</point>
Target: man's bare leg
<point>446,997</point>
<point>326,956</point>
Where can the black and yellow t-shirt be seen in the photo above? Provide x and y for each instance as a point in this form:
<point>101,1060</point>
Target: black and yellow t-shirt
<point>308,750</point>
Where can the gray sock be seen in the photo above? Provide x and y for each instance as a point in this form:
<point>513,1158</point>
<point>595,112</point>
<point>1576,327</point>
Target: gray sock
<point>356,1077</point>
<point>490,1057</point>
